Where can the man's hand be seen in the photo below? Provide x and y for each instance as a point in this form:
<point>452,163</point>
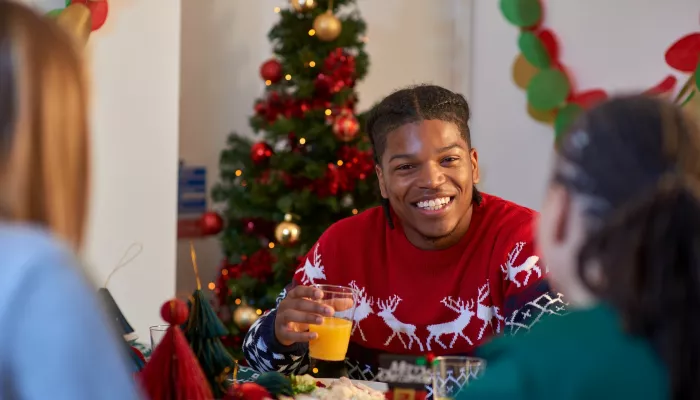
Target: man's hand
<point>296,312</point>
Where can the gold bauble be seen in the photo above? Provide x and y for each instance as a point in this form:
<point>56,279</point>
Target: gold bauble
<point>245,316</point>
<point>327,26</point>
<point>76,20</point>
<point>303,5</point>
<point>287,232</point>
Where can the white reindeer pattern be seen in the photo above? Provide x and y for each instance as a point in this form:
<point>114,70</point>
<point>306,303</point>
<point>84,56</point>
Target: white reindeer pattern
<point>455,327</point>
<point>363,308</point>
<point>511,271</point>
<point>397,327</point>
<point>487,313</point>
<point>312,271</point>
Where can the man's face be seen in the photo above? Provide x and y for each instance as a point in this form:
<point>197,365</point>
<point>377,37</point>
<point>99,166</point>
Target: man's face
<point>428,173</point>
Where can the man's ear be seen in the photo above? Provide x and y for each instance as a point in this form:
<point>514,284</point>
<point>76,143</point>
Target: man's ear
<point>380,179</point>
<point>474,159</point>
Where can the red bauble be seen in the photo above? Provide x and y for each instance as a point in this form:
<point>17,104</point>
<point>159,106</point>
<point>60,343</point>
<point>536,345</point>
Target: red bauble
<point>248,391</point>
<point>271,70</point>
<point>211,223</point>
<point>260,153</point>
<point>174,312</point>
<point>346,127</point>
<point>323,84</point>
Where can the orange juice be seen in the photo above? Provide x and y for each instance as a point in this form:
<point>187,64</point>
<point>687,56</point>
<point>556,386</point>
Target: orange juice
<point>333,339</point>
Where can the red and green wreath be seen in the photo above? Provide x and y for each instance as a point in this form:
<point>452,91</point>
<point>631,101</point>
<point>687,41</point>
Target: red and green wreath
<point>551,96</point>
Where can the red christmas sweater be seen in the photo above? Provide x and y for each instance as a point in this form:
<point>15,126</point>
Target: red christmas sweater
<point>414,301</point>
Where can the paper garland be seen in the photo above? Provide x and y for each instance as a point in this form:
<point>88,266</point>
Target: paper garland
<point>551,97</point>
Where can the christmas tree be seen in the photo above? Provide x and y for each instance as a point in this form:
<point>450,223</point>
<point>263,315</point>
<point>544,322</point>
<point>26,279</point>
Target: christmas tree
<point>204,331</point>
<point>310,166</point>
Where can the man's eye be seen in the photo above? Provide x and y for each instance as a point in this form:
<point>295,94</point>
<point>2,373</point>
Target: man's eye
<point>450,159</point>
<point>404,167</point>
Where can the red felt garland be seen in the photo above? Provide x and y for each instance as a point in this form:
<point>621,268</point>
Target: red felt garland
<point>542,51</point>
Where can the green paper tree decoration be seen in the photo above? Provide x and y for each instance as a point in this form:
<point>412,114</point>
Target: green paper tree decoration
<point>204,331</point>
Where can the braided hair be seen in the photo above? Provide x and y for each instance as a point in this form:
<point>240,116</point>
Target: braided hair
<point>415,104</point>
<point>635,163</point>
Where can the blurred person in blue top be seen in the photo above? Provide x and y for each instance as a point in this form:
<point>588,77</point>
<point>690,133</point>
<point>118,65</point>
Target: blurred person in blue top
<point>620,233</point>
<point>55,341</point>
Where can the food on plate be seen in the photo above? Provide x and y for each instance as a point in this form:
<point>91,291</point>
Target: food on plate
<point>307,387</point>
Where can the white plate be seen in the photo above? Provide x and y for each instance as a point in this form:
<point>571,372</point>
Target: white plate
<point>378,386</point>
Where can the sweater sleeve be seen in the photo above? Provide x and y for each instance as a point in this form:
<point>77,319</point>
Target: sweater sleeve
<point>265,353</point>
<point>526,291</point>
<point>62,346</point>
<point>261,348</point>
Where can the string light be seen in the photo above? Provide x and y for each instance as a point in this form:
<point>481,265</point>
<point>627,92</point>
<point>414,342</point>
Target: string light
<point>302,141</point>
<point>354,211</point>
<point>312,32</point>
<point>239,172</point>
<point>340,163</point>
<point>271,245</point>
<point>258,311</point>
<point>312,64</point>
<point>315,370</point>
<point>238,302</point>
<point>224,272</point>
<point>328,111</point>
<point>277,10</point>
<point>268,82</point>
<point>288,77</point>
<point>212,286</point>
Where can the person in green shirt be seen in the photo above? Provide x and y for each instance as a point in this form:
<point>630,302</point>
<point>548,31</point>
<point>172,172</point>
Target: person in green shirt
<point>620,234</point>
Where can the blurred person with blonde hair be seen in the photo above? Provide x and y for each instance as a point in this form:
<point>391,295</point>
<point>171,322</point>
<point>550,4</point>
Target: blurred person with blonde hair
<point>55,341</point>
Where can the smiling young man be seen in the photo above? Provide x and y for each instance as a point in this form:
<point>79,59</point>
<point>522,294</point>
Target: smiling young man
<point>439,268</point>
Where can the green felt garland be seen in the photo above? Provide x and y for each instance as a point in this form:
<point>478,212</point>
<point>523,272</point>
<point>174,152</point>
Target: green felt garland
<point>549,90</point>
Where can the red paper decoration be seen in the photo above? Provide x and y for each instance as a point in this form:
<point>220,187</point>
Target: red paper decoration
<point>589,98</point>
<point>271,70</point>
<point>685,53</point>
<point>260,153</point>
<point>665,86</point>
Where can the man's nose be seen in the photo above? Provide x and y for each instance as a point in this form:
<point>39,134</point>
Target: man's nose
<point>432,176</point>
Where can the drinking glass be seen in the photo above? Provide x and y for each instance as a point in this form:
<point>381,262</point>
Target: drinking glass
<point>334,333</point>
<point>452,373</point>
<point>157,333</point>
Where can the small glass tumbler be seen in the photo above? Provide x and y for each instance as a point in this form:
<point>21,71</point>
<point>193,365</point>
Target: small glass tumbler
<point>157,334</point>
<point>453,373</point>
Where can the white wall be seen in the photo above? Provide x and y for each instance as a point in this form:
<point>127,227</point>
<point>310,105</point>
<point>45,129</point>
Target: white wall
<point>223,45</point>
<point>135,60</point>
<point>617,45</point>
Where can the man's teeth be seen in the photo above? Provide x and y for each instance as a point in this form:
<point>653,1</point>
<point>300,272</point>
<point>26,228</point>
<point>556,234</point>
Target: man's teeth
<point>434,204</point>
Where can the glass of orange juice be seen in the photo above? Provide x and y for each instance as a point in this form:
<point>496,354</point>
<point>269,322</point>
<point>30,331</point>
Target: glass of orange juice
<point>334,332</point>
